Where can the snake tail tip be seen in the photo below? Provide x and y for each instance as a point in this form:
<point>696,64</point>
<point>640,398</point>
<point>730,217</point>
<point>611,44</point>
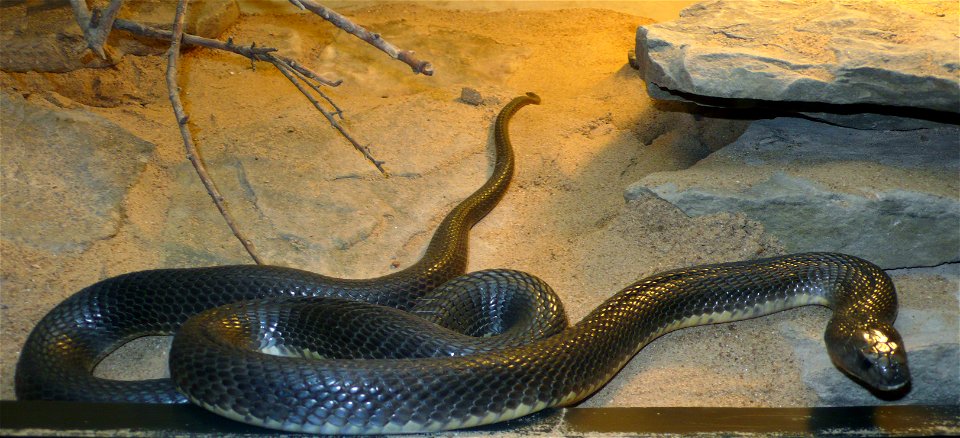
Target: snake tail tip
<point>535,99</point>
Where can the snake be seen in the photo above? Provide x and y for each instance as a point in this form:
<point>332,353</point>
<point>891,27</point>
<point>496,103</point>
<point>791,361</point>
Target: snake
<point>428,348</point>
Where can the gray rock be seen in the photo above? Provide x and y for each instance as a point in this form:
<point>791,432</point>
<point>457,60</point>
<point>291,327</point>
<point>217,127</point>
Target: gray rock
<point>865,52</point>
<point>470,96</point>
<point>934,380</point>
<point>65,174</point>
<point>888,196</point>
<point>44,36</point>
<point>928,323</point>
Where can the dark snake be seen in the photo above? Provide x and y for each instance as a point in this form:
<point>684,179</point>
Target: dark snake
<point>427,348</point>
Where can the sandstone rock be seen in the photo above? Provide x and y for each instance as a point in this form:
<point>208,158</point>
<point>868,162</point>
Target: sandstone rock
<point>286,40</point>
<point>65,174</point>
<point>280,215</point>
<point>888,196</point>
<point>260,7</point>
<point>864,52</point>
<point>45,37</point>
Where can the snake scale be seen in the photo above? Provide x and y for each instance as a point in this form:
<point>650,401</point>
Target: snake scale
<point>427,348</point>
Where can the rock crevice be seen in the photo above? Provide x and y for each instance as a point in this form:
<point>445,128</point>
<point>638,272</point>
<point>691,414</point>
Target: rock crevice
<point>818,187</point>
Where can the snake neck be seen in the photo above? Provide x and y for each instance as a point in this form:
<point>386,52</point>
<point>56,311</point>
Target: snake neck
<point>861,295</point>
<point>706,294</point>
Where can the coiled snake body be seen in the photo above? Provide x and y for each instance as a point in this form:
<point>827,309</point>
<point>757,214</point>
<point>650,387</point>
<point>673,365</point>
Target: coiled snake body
<point>294,350</point>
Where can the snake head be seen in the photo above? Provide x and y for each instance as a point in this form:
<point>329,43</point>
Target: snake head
<point>874,355</point>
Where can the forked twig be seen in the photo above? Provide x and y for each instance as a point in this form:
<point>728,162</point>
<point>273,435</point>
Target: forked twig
<point>336,109</point>
<point>174,91</point>
<point>95,25</point>
<point>288,72</point>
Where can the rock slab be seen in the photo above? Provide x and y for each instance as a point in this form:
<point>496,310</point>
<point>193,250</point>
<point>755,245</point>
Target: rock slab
<point>888,196</point>
<point>863,52</point>
<point>64,173</point>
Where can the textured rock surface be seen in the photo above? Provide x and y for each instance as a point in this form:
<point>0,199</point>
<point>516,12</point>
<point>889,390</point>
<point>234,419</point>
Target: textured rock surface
<point>44,36</point>
<point>888,196</point>
<point>929,332</point>
<point>47,155</point>
<point>872,52</point>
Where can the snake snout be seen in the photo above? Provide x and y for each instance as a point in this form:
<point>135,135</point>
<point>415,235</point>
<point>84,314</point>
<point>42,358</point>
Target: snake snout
<point>894,376</point>
<point>873,355</point>
<point>887,359</point>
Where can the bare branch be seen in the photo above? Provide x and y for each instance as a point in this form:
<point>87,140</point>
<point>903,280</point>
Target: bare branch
<point>374,39</point>
<point>294,72</point>
<point>101,25</point>
<point>172,59</point>
<point>336,109</point>
<point>95,25</point>
<point>307,72</point>
<point>82,14</point>
<point>288,72</point>
<point>251,52</point>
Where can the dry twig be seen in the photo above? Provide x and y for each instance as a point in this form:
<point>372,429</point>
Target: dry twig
<point>96,25</point>
<point>174,91</point>
<point>293,71</point>
<point>290,74</point>
<point>374,39</point>
<point>252,52</point>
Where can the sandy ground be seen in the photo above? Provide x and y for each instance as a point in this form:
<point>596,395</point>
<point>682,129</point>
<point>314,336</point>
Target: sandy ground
<point>563,219</point>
